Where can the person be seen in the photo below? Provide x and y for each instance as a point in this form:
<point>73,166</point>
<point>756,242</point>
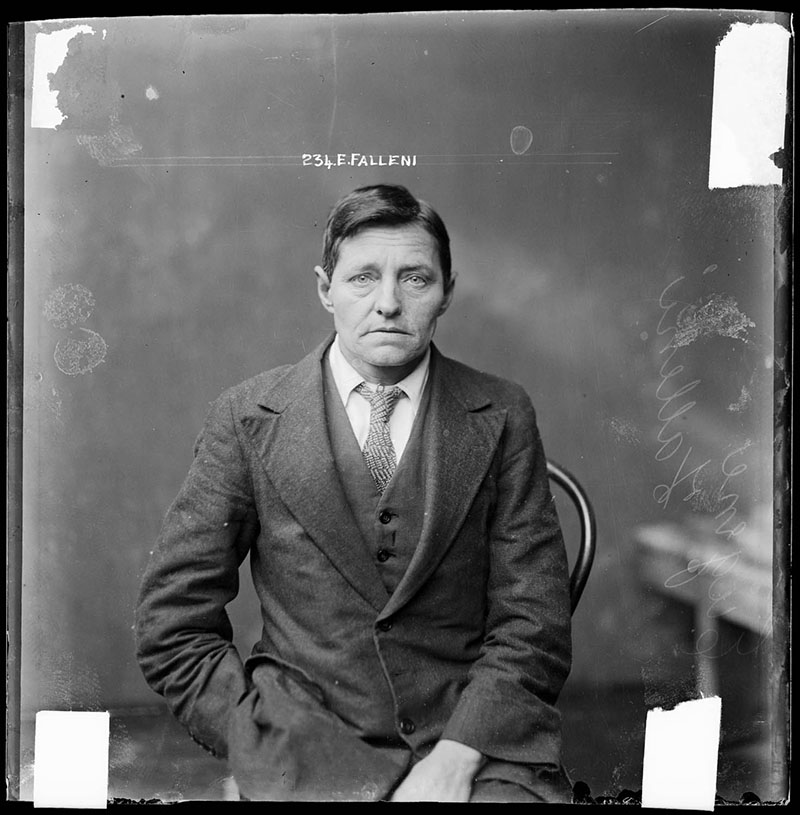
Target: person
<point>404,546</point>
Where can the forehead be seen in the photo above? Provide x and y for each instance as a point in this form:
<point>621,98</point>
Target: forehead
<point>407,244</point>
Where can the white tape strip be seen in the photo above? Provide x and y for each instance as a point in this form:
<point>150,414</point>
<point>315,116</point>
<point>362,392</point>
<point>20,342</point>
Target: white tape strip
<point>70,766</point>
<point>681,747</point>
<point>749,109</point>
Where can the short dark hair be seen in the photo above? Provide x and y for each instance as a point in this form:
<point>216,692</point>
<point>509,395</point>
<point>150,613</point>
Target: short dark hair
<point>382,205</point>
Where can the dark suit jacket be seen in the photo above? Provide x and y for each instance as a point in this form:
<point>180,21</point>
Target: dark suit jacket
<point>474,644</point>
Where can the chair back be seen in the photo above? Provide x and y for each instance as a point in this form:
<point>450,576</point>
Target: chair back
<point>586,548</point>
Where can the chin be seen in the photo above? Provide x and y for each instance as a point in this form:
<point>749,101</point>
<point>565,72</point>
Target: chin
<point>389,360</point>
<point>394,347</point>
<point>391,357</point>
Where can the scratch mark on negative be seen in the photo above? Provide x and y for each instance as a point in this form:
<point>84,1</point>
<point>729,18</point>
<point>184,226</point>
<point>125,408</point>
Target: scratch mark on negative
<point>335,87</point>
<point>275,95</point>
<point>653,23</point>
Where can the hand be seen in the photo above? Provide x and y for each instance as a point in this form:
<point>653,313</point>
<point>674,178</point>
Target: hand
<point>445,774</point>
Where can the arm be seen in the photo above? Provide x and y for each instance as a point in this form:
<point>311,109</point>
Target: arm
<point>183,635</point>
<point>506,711</point>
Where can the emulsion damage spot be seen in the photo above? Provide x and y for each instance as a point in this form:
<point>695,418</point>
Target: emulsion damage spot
<point>80,354</point>
<point>69,305</point>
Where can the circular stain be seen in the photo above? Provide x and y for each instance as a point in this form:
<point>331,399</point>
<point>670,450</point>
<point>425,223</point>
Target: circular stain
<point>69,305</point>
<point>521,140</point>
<point>80,355</point>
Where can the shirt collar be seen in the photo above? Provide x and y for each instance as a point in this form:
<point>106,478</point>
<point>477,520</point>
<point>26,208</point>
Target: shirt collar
<point>347,378</point>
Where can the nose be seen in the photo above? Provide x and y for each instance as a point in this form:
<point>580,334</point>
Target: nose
<point>387,298</point>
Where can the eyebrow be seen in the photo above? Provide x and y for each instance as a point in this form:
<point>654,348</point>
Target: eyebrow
<point>410,267</point>
<point>414,267</point>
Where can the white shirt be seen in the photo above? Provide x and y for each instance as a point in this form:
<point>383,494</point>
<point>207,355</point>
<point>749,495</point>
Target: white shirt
<point>357,407</point>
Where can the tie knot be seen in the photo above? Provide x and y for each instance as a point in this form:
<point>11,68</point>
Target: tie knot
<point>381,400</point>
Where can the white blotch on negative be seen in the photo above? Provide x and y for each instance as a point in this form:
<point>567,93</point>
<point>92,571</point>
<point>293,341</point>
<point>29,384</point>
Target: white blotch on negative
<point>521,140</point>
<point>49,52</point>
<point>151,93</point>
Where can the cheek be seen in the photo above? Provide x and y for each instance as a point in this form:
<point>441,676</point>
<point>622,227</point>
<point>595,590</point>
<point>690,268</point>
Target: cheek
<point>351,310</point>
<point>425,314</point>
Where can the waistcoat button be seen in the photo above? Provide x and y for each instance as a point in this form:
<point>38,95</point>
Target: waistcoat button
<point>384,625</point>
<point>407,727</point>
<point>383,555</point>
<point>385,516</point>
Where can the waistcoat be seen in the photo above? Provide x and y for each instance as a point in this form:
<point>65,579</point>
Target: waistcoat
<point>391,523</point>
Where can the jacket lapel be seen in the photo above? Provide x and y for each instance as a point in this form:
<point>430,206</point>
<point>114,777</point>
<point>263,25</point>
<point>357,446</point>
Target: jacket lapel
<point>293,443</point>
<point>464,432</point>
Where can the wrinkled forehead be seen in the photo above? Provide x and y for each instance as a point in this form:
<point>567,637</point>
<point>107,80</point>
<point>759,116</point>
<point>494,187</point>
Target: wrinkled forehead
<point>406,245</point>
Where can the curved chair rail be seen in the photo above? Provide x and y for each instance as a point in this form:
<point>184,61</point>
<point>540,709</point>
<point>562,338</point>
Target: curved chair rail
<point>586,549</point>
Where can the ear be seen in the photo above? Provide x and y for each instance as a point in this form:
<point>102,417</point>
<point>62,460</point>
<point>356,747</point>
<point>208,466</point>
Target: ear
<point>323,288</point>
<point>448,293</point>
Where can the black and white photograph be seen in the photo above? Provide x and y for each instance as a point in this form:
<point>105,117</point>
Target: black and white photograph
<point>399,408</point>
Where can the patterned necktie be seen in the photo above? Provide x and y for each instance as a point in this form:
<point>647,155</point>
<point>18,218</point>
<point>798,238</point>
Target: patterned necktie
<point>378,450</point>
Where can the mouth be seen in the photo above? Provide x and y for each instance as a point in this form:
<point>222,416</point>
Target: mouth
<point>387,331</point>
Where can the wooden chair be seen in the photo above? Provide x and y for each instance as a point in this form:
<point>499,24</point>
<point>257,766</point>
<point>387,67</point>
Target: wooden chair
<point>586,548</point>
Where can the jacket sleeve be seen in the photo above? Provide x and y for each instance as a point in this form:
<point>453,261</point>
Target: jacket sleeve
<point>506,710</point>
<point>183,634</point>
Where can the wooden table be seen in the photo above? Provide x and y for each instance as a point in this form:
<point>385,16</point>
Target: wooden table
<point>716,577</point>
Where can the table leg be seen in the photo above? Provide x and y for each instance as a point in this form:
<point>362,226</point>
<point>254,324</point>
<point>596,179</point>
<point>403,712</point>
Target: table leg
<point>706,638</point>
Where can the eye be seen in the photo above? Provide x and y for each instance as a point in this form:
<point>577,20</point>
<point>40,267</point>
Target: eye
<point>417,281</point>
<point>361,279</point>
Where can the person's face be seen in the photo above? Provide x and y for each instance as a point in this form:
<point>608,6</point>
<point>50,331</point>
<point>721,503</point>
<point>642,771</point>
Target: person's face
<point>385,293</point>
